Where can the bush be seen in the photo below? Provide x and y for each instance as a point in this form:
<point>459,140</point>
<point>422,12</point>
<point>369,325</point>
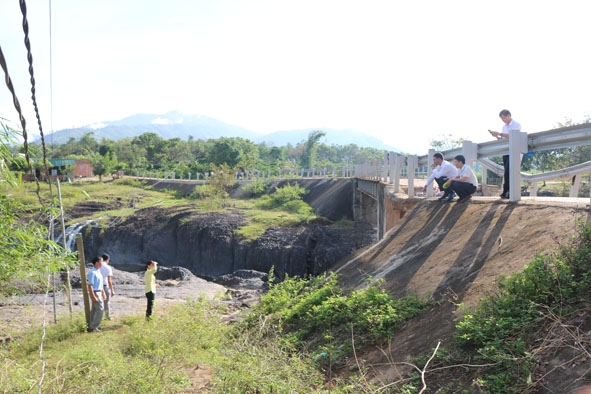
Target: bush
<point>496,330</point>
<point>257,188</point>
<point>309,308</point>
<point>287,198</point>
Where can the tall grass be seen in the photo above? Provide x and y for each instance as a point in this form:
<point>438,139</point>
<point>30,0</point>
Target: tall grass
<point>135,356</point>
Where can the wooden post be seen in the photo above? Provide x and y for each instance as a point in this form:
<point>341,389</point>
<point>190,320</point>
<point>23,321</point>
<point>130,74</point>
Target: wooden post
<point>85,295</point>
<point>64,243</point>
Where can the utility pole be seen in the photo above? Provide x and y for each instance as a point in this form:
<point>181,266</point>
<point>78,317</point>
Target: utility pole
<point>85,295</point>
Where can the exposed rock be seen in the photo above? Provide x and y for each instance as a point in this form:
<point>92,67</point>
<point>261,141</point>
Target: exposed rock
<point>206,244</point>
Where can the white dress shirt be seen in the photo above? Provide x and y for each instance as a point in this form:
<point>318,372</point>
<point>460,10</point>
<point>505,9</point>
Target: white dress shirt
<point>446,169</point>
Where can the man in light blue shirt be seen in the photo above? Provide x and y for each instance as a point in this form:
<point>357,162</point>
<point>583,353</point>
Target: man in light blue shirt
<point>94,281</point>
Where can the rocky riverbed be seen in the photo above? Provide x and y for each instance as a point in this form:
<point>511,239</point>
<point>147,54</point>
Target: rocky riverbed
<point>176,284</point>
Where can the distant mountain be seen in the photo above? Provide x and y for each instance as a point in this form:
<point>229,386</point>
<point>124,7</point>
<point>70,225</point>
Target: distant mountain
<point>170,125</point>
<point>332,137</point>
<point>178,125</point>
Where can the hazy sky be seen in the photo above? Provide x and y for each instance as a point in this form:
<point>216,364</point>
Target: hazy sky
<point>404,71</point>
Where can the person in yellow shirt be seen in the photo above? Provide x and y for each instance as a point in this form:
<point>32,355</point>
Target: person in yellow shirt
<point>150,279</point>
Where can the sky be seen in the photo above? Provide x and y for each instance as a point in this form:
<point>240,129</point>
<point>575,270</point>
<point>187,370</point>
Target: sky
<point>407,72</point>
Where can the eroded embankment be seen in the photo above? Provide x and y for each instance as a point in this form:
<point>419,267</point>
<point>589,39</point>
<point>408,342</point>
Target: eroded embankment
<point>452,253</point>
<point>443,249</point>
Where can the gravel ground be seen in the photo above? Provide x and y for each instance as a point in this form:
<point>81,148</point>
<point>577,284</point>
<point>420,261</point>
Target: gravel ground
<point>32,310</point>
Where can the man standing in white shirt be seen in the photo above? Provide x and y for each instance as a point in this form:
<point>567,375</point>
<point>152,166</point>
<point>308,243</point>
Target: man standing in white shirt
<point>107,273</point>
<point>510,124</point>
<point>442,171</point>
<point>466,183</point>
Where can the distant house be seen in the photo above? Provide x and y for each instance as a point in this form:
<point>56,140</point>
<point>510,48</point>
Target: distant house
<point>82,168</point>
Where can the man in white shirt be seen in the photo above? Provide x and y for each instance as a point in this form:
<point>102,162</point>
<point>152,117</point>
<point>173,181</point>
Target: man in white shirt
<point>107,273</point>
<point>510,124</point>
<point>442,171</point>
<point>465,184</point>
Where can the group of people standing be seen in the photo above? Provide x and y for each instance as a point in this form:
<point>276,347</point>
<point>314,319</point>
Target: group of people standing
<point>459,178</point>
<point>100,288</point>
<point>99,281</point>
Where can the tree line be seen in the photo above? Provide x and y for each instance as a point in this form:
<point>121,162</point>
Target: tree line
<point>150,152</point>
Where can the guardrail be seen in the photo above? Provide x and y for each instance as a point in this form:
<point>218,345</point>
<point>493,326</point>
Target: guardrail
<point>390,168</point>
<point>255,175</point>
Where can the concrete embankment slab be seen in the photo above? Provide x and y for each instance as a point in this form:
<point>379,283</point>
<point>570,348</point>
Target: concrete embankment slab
<point>447,249</point>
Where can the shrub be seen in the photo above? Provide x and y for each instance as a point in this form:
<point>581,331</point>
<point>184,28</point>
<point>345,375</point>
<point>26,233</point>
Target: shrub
<point>496,329</point>
<point>317,307</point>
<point>257,188</point>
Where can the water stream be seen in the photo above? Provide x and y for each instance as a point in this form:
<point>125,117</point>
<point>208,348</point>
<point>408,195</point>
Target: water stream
<point>73,230</point>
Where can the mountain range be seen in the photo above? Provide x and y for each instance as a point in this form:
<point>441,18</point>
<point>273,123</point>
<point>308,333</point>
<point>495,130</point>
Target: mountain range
<point>178,125</point>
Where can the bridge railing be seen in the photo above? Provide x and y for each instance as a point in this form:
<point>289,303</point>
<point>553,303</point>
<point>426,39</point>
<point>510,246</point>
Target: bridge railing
<point>255,175</point>
<point>390,168</point>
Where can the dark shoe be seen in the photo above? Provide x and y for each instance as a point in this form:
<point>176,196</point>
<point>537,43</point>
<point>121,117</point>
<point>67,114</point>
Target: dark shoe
<point>505,196</point>
<point>465,198</point>
<point>445,195</point>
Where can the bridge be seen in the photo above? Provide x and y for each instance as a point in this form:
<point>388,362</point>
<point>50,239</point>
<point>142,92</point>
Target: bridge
<point>392,166</point>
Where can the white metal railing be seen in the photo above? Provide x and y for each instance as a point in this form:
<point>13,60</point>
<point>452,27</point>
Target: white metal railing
<point>390,168</point>
<point>255,175</point>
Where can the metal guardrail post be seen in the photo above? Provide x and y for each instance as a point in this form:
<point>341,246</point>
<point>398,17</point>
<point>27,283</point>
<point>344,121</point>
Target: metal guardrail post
<point>395,173</point>
<point>574,186</point>
<point>430,171</point>
<point>517,146</point>
<point>411,165</point>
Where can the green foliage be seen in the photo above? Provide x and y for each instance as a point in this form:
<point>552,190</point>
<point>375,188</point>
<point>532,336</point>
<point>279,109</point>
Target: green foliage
<point>497,329</point>
<point>257,188</point>
<point>133,356</point>
<point>129,181</point>
<point>103,164</point>
<point>282,196</point>
<point>25,252</point>
<point>200,192</point>
<point>318,308</point>
<point>221,181</point>
<point>309,154</point>
<point>446,142</point>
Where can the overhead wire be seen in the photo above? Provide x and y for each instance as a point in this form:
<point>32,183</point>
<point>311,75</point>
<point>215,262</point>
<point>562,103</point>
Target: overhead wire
<point>25,24</point>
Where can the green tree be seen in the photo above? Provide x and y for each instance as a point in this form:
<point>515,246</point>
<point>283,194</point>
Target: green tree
<point>221,181</point>
<point>154,146</point>
<point>224,150</point>
<point>446,142</point>
<point>102,165</point>
<point>311,148</point>
<point>25,252</point>
<point>88,143</point>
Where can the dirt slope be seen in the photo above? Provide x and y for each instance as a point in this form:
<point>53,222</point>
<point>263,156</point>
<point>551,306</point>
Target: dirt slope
<point>453,253</point>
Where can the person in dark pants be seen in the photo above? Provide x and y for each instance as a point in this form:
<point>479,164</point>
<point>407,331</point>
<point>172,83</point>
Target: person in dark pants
<point>466,183</point>
<point>442,171</point>
<point>107,273</point>
<point>150,279</point>
<point>94,281</point>
<point>510,124</point>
